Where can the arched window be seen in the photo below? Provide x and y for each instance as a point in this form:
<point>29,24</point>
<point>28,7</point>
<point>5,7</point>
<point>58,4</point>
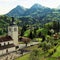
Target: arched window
<point>15,29</point>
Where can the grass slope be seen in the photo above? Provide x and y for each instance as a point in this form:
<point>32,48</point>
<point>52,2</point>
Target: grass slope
<point>25,57</point>
<point>57,53</point>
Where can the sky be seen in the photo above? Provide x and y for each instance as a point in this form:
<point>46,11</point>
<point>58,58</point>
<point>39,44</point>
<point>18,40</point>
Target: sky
<point>7,5</point>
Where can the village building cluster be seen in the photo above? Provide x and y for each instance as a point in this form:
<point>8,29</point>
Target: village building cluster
<point>9,43</point>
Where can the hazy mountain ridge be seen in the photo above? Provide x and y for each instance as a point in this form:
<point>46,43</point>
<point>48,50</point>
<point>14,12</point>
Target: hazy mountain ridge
<point>33,11</point>
<point>36,14</point>
<point>17,11</point>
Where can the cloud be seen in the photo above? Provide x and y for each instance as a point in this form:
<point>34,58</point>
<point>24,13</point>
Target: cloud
<point>7,5</point>
<point>6,0</point>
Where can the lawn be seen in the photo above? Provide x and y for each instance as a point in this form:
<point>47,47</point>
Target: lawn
<point>26,33</point>
<point>57,53</point>
<point>37,39</point>
<point>21,42</point>
<point>43,30</point>
<point>25,57</point>
<point>50,58</point>
<point>32,48</point>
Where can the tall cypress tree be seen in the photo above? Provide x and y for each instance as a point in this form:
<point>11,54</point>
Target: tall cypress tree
<point>23,30</point>
<point>31,35</point>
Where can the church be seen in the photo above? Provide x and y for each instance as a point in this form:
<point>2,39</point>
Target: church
<point>10,42</point>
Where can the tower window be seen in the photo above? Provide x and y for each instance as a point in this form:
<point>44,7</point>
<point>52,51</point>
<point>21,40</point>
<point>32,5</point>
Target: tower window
<point>15,29</point>
<point>9,29</point>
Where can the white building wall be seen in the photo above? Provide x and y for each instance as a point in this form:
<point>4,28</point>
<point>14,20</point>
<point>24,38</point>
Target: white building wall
<point>1,52</point>
<point>15,38</point>
<point>9,50</point>
<point>6,43</point>
<point>2,44</point>
<point>13,34</point>
<point>10,42</point>
<point>4,51</point>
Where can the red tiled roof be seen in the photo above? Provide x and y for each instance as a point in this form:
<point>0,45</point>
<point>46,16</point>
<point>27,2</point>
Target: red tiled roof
<point>6,46</point>
<point>6,38</point>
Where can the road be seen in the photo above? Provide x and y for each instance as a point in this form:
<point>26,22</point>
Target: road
<point>31,43</point>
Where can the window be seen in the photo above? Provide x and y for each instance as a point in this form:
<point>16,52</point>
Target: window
<point>17,47</point>
<point>9,29</point>
<point>4,44</point>
<point>15,29</point>
<point>0,44</point>
<point>6,50</point>
<point>8,43</point>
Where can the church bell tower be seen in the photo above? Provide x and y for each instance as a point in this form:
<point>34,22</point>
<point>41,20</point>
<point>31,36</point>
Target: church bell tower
<point>13,32</point>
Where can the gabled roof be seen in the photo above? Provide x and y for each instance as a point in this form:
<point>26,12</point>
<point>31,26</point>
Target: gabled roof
<point>12,23</point>
<point>6,38</point>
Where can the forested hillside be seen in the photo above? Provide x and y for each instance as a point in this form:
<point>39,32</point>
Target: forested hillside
<point>35,17</point>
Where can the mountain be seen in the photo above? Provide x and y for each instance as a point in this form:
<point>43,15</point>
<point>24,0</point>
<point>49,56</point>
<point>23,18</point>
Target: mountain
<point>37,6</point>
<point>17,11</point>
<point>36,10</point>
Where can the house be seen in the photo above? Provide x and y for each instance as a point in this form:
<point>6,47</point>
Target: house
<point>10,42</point>
<point>6,45</point>
<point>56,36</point>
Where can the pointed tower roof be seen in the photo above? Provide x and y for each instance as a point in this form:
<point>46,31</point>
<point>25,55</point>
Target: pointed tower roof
<point>12,21</point>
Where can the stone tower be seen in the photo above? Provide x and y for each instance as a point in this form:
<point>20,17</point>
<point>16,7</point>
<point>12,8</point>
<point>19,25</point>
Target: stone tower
<point>13,32</point>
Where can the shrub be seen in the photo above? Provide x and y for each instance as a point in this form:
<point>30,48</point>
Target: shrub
<point>35,55</point>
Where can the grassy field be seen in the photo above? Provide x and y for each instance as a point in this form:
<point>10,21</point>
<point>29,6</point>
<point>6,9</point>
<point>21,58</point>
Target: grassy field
<point>53,57</point>
<point>25,57</point>
<point>33,48</point>
<point>26,33</point>
<point>57,53</point>
<point>37,39</point>
<point>21,42</point>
